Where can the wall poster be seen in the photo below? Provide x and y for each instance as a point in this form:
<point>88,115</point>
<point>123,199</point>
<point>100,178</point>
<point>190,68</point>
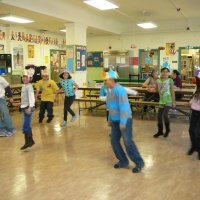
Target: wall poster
<point>18,58</point>
<point>70,57</point>
<point>170,48</point>
<point>2,48</point>
<point>31,51</point>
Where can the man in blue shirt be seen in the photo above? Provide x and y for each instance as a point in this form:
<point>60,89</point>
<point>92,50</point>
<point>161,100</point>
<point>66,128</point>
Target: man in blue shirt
<point>120,120</point>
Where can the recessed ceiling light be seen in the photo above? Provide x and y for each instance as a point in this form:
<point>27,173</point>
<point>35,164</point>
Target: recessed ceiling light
<point>101,4</point>
<point>12,18</point>
<point>147,25</point>
<point>63,30</point>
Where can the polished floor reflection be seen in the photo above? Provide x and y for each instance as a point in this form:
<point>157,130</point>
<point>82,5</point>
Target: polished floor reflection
<point>76,163</point>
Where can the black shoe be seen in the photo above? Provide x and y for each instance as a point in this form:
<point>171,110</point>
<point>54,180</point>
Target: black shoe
<point>167,126</point>
<point>29,142</point>
<point>198,155</point>
<point>191,151</point>
<point>167,133</point>
<point>49,120</point>
<point>118,165</point>
<point>158,134</point>
<point>137,169</point>
<point>27,145</point>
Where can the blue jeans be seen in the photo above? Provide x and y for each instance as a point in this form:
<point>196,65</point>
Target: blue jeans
<point>130,146</point>
<point>5,119</point>
<point>26,126</point>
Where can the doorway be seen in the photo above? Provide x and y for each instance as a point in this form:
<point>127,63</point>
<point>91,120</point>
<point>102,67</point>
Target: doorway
<point>188,59</point>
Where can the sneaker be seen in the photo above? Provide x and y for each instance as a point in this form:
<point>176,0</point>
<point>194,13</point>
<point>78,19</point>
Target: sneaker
<point>74,118</point>
<point>2,134</point>
<point>191,151</point>
<point>64,123</point>
<point>14,131</point>
<point>9,133</point>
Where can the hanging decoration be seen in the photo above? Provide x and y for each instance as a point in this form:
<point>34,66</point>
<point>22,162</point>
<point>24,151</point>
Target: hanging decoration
<point>147,49</point>
<point>133,46</point>
<point>2,35</point>
<point>161,48</point>
<point>36,39</point>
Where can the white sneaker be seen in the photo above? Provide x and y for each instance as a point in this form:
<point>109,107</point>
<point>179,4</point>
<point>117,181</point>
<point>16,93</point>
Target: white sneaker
<point>2,134</point>
<point>74,118</point>
<point>64,123</point>
<point>8,134</point>
<point>14,131</point>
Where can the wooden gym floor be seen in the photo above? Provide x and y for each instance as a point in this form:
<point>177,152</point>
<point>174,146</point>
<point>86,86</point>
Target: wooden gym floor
<point>76,163</point>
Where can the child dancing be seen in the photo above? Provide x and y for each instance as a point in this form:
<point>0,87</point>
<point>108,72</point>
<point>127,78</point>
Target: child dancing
<point>194,130</point>
<point>70,88</point>
<point>164,86</point>
<point>27,107</point>
<point>120,120</point>
<point>48,89</point>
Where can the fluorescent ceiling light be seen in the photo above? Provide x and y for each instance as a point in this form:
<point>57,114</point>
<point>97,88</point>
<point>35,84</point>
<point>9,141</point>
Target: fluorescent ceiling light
<point>12,18</point>
<point>63,30</point>
<point>147,25</point>
<point>101,4</point>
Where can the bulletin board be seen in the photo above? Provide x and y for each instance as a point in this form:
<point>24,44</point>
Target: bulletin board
<point>81,56</point>
<point>95,59</point>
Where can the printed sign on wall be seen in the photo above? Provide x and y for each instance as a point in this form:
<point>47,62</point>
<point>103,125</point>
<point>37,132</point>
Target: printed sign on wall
<point>170,48</point>
<point>31,51</point>
<point>70,57</point>
<point>18,58</point>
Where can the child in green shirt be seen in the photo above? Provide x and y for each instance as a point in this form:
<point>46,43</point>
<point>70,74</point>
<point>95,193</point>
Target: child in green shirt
<point>164,86</point>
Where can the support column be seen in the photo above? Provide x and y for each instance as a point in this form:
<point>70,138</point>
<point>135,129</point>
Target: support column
<point>76,52</point>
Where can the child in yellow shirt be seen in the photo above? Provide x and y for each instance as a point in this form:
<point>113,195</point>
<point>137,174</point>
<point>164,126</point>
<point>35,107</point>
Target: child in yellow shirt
<point>48,89</point>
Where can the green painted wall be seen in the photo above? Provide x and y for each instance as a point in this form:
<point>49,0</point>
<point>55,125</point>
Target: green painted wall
<point>94,73</point>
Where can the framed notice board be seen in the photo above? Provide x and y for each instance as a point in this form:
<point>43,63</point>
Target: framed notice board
<point>95,59</point>
<point>80,58</point>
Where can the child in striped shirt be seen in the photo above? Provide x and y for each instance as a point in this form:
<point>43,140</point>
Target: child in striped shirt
<point>120,120</point>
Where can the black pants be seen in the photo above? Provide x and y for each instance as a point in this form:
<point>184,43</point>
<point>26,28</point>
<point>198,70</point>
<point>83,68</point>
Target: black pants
<point>178,96</point>
<point>107,115</point>
<point>46,105</point>
<point>163,113</point>
<point>194,130</point>
<point>154,97</point>
<point>67,106</point>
